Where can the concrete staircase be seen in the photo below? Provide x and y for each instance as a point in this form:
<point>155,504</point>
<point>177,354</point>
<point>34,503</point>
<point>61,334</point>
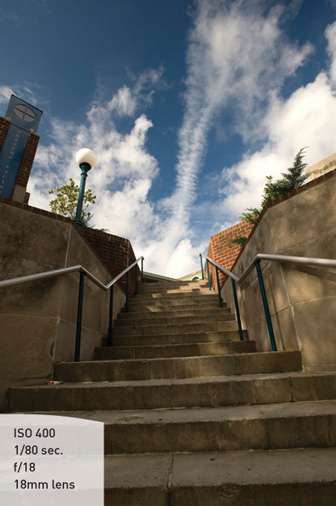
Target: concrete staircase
<point>193,416</point>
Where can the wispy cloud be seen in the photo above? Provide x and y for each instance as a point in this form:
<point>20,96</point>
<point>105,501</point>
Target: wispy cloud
<point>237,59</point>
<point>25,91</point>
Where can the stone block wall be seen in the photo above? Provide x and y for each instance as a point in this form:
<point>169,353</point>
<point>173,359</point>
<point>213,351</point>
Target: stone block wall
<point>38,319</point>
<point>302,299</point>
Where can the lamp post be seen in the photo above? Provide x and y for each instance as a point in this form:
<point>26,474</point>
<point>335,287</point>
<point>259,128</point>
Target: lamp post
<point>86,159</point>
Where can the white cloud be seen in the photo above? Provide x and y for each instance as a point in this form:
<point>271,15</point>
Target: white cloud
<point>238,58</point>
<point>305,119</point>
<point>5,94</point>
<point>25,91</point>
<point>123,102</point>
<point>121,180</point>
<point>331,38</point>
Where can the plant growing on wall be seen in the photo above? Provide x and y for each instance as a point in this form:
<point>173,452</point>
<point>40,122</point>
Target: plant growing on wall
<point>291,180</point>
<point>65,202</point>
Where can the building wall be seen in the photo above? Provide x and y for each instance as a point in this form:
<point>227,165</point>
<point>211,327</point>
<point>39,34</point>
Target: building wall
<point>223,251</point>
<point>302,299</point>
<point>38,319</point>
<point>192,276</point>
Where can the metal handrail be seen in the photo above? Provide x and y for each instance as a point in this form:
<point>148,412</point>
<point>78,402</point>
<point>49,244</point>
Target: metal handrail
<point>318,262</point>
<point>66,270</point>
<point>83,272</point>
<point>234,280</point>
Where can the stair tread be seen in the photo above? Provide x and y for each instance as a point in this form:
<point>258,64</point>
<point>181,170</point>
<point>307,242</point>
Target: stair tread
<point>197,366</point>
<point>179,381</point>
<point>172,350</point>
<point>306,409</point>
<point>177,328</point>
<point>166,314</point>
<point>216,468</point>
<point>239,356</point>
<point>173,320</point>
<point>174,345</point>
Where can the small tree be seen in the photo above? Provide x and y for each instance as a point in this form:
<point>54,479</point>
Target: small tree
<point>66,200</point>
<point>250,215</point>
<point>292,179</point>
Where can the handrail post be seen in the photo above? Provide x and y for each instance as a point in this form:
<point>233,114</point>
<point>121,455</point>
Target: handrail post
<point>241,335</point>
<point>136,280</point>
<point>142,269</point>
<point>126,306</point>
<point>110,334</point>
<point>207,267</point>
<point>79,316</point>
<point>266,307</point>
<point>200,255</point>
<point>218,288</point>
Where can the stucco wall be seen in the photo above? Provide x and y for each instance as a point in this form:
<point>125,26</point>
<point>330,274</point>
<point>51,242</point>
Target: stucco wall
<point>302,299</point>
<point>38,319</point>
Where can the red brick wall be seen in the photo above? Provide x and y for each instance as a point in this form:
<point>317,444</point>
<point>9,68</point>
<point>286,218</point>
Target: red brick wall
<point>4,126</point>
<point>115,252</point>
<point>27,160</point>
<point>223,251</point>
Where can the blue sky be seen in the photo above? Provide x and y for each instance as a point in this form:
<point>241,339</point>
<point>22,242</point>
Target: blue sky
<point>188,105</point>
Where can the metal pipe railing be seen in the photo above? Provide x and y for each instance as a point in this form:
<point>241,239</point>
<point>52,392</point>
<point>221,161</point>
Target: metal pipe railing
<point>234,279</point>
<point>318,262</point>
<point>84,273</point>
<point>200,255</point>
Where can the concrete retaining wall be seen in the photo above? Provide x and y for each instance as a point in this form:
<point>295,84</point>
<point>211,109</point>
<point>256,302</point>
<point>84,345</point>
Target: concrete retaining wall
<point>38,319</point>
<point>302,299</point>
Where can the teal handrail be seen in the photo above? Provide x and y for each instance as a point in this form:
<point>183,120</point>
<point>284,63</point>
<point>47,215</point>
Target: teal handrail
<point>233,279</point>
<point>318,262</point>
<point>83,273</point>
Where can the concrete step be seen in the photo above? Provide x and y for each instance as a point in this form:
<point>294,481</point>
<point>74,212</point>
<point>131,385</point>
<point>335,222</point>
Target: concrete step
<point>181,393</point>
<point>172,305</point>
<point>185,285</point>
<point>176,313</point>
<point>182,338</point>
<point>240,428</point>
<point>295,477</point>
<point>185,289</point>
<point>187,367</point>
<point>172,350</point>
<point>157,330</point>
<point>161,320</point>
<point>183,296</point>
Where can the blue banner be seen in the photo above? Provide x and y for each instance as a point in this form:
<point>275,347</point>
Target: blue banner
<point>10,159</point>
<point>24,117</point>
